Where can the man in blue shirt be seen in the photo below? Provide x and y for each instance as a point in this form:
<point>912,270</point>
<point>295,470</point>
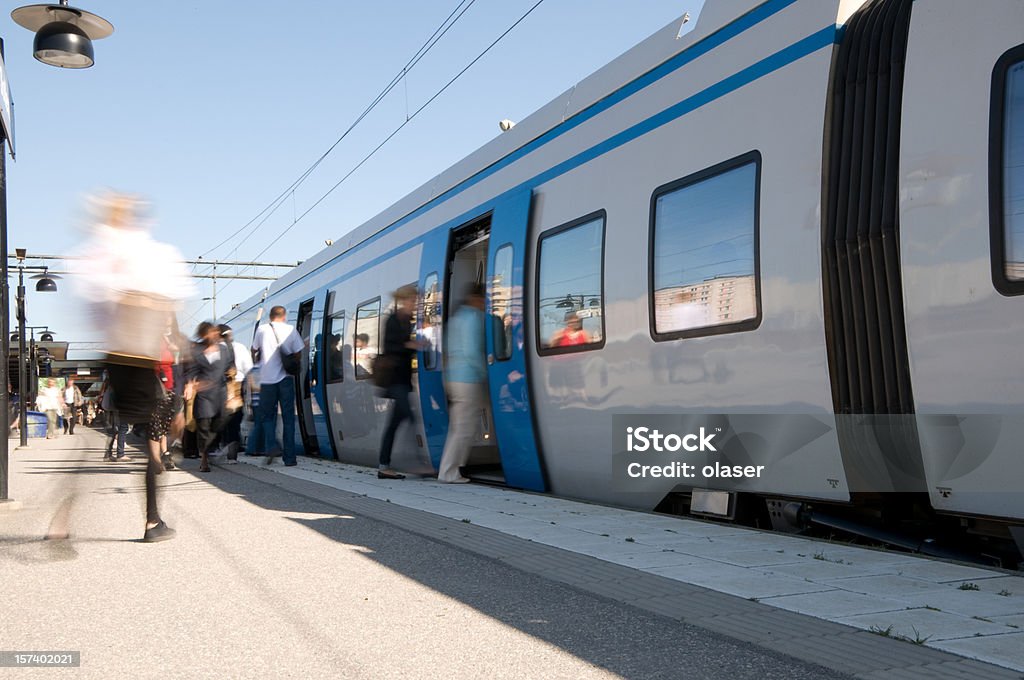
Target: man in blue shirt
<point>466,378</point>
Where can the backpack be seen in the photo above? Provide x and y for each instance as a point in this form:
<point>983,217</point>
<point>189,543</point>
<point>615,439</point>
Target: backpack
<point>291,363</point>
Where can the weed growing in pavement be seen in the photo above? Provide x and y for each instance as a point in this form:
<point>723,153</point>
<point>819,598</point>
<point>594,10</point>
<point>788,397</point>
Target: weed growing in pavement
<point>825,558</point>
<point>1005,593</point>
<point>884,632</point>
<point>968,586</point>
<point>917,639</point>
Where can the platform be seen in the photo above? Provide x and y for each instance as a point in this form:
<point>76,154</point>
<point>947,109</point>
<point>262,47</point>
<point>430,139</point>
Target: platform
<point>927,604</point>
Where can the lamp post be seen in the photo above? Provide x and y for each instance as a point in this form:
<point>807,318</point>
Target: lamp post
<point>44,284</point>
<point>64,38</point>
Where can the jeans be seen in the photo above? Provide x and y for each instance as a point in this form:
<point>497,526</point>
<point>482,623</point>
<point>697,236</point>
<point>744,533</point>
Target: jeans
<point>116,430</point>
<point>271,395</point>
<point>254,442</point>
<point>401,411</point>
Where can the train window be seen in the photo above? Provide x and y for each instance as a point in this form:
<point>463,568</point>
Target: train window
<point>1008,173</point>
<point>500,296</point>
<point>334,343</point>
<point>430,327</point>
<point>366,338</point>
<point>704,252</point>
<point>570,286</point>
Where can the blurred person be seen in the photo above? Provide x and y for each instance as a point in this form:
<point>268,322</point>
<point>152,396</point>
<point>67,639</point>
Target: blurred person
<point>274,340</point>
<point>232,437</point>
<point>51,402</point>
<point>116,431</point>
<point>132,282</point>
<point>206,378</point>
<point>73,401</point>
<point>364,356</point>
<point>465,381</point>
<point>393,373</point>
<point>572,334</point>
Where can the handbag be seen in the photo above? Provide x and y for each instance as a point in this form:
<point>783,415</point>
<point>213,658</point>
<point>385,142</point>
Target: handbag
<point>291,363</point>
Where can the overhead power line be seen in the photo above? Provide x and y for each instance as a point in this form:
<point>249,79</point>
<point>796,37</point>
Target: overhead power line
<point>279,200</point>
<point>399,128</point>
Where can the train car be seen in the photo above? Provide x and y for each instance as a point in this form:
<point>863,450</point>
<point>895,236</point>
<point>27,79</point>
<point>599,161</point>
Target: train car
<point>803,211</point>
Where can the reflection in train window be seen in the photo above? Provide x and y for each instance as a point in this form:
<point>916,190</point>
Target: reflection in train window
<point>430,329</point>
<point>570,287</point>
<point>500,296</point>
<point>704,252</point>
<point>334,343</point>
<point>1013,174</point>
<point>366,338</point>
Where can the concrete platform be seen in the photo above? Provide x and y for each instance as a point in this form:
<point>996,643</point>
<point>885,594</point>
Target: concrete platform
<point>973,612</point>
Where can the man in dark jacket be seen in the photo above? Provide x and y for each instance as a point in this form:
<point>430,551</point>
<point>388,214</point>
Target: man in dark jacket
<point>399,349</point>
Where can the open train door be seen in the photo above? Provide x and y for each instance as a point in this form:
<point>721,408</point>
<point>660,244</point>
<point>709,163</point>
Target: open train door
<point>506,350</point>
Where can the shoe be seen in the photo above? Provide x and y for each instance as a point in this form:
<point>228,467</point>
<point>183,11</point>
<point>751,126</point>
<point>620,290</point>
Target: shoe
<point>204,468</point>
<point>460,480</point>
<point>108,458</point>
<point>123,459</point>
<point>389,474</point>
<point>231,461</point>
<point>270,457</point>
<point>168,462</point>
<point>252,455</point>
<point>292,464</point>
<point>161,532</point>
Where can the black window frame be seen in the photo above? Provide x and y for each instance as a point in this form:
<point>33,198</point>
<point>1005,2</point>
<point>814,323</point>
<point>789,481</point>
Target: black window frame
<point>439,363</point>
<point>490,298</point>
<point>329,317</point>
<point>355,332</point>
<point>542,350</point>
<point>690,180</point>
<point>997,129</point>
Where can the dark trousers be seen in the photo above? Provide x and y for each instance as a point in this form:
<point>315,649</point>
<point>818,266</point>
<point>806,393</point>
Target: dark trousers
<point>207,430</point>
<point>69,422</point>
<point>401,411</point>
<point>232,436</point>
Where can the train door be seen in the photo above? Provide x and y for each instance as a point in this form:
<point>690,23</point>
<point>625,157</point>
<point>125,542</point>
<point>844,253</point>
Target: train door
<point>508,380</point>
<point>308,388</point>
<point>467,265</point>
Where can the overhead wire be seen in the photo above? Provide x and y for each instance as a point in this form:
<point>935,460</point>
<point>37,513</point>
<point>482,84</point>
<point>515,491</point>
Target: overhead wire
<point>401,126</point>
<point>273,206</point>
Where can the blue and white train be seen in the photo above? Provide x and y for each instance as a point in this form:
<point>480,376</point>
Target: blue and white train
<point>800,207</point>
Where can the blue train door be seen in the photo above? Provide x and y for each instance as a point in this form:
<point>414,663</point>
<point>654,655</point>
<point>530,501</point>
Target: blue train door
<point>508,379</point>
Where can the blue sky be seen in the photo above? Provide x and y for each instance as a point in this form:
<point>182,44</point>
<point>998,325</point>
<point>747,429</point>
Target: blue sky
<point>211,109</point>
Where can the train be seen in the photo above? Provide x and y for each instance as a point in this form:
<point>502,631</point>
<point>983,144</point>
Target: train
<point>800,212</point>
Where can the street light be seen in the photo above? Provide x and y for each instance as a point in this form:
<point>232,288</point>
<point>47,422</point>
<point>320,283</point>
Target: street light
<point>49,287</point>
<point>64,34</point>
<point>59,42</point>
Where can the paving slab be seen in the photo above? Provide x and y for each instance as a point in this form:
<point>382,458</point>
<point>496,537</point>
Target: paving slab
<point>1004,650</point>
<point>923,625</point>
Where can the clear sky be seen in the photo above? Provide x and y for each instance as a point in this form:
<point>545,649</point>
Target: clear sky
<point>211,109</point>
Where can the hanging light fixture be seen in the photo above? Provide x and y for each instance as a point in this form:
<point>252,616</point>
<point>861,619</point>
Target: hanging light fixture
<point>64,34</point>
<point>46,283</point>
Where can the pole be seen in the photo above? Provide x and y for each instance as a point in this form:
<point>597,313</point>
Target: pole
<point>214,291</point>
<point>22,363</point>
<point>5,296</point>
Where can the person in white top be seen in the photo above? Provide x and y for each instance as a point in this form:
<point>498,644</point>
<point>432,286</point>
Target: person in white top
<point>232,436</point>
<point>72,404</point>
<point>50,402</point>
<point>273,341</point>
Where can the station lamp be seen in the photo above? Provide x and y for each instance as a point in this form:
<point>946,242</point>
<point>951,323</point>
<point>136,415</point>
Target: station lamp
<point>64,34</point>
